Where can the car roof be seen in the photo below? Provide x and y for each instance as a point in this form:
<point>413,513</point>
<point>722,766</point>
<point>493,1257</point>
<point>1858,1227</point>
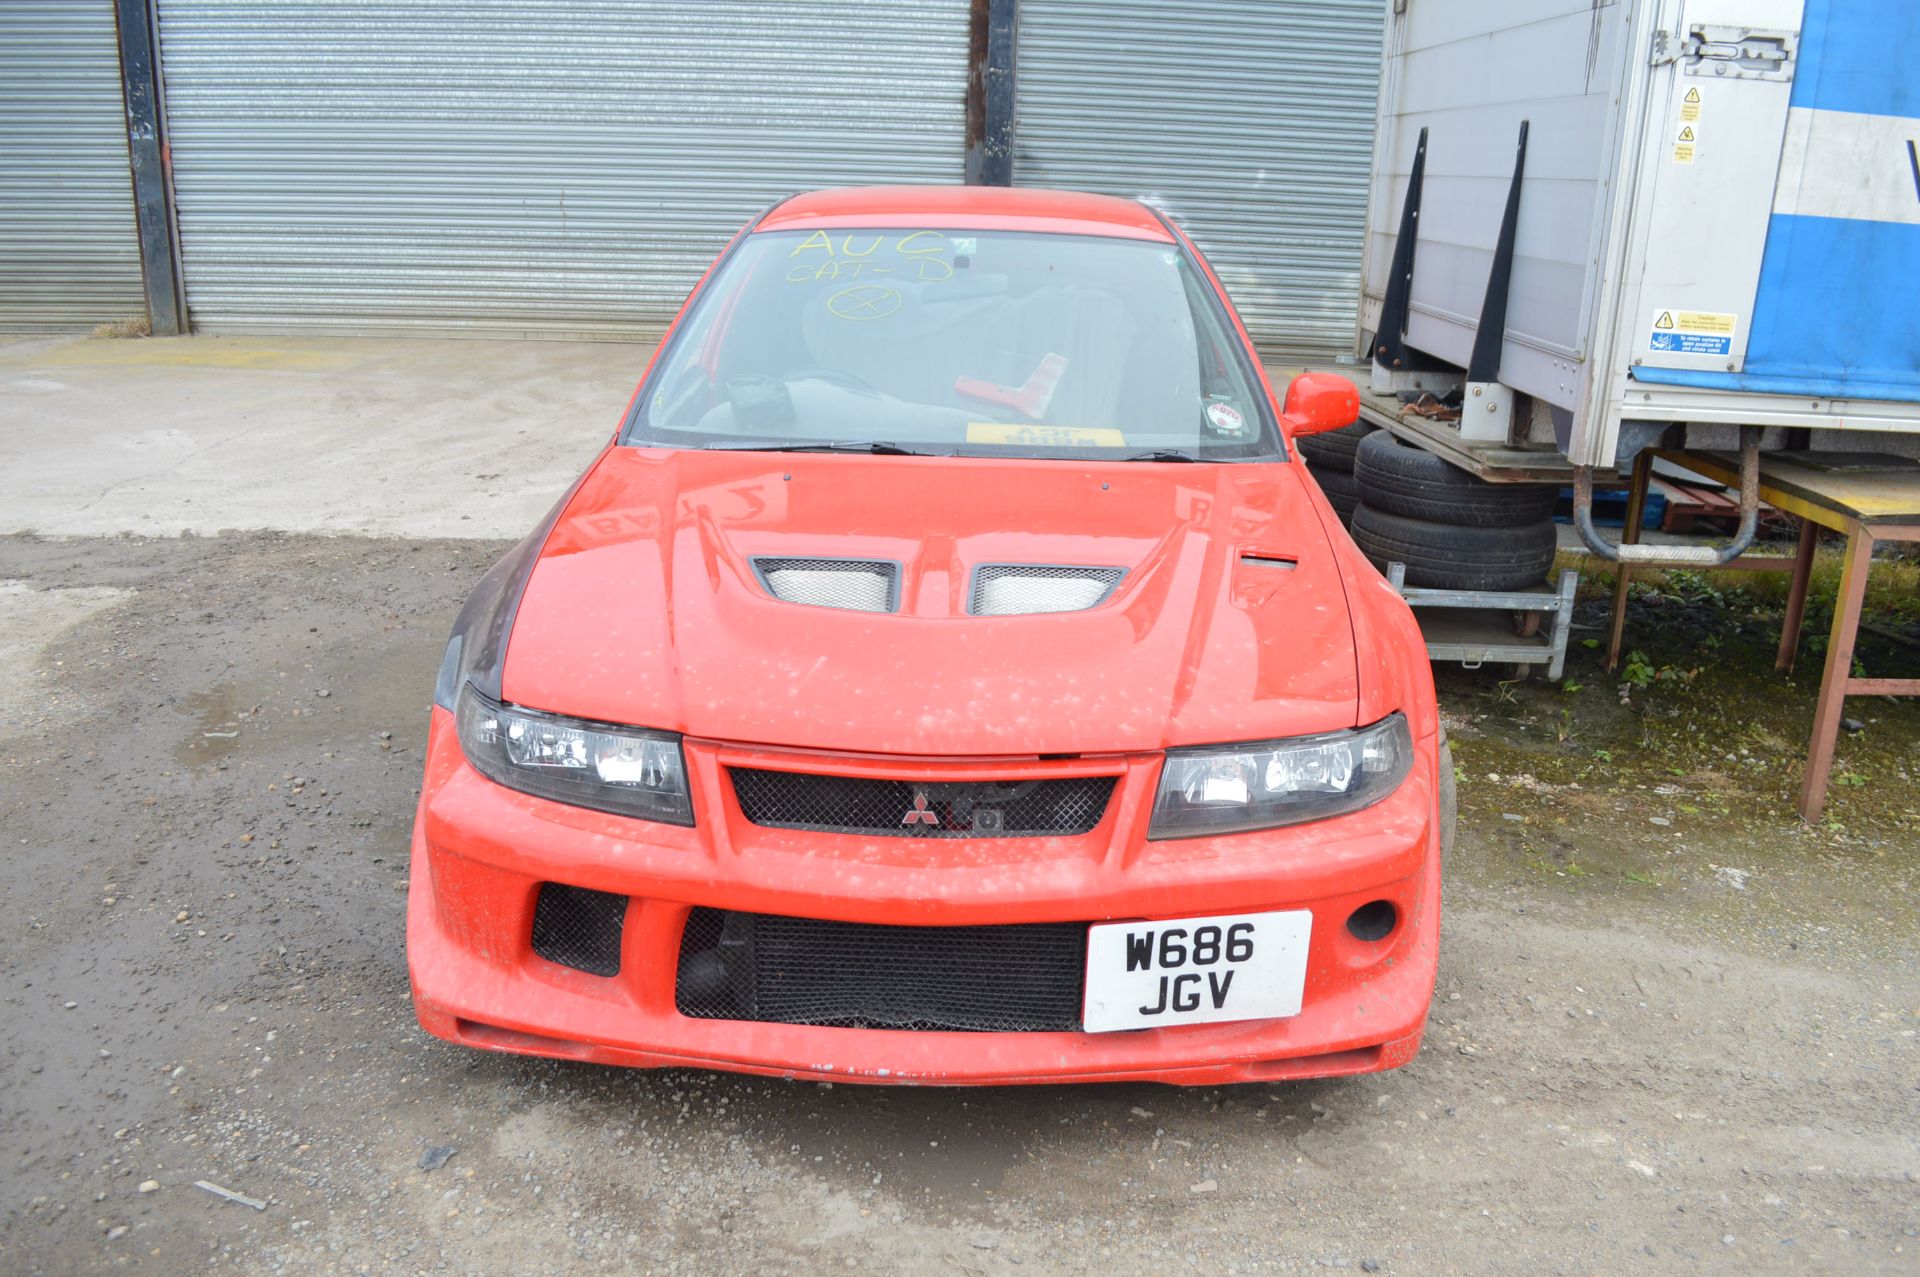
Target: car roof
<point>968,208</point>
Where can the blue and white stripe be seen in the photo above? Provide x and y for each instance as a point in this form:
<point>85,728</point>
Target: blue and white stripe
<point>1837,313</point>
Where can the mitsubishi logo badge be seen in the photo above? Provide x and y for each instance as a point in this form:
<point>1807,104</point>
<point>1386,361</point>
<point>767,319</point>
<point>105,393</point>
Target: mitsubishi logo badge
<point>920,815</point>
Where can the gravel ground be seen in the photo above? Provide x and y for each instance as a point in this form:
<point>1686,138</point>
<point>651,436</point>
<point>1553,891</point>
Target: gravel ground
<point>209,755</point>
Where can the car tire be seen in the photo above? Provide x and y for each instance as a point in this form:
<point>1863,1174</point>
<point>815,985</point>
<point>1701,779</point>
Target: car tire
<point>1401,479</point>
<point>1333,450</point>
<point>1444,556</point>
<point>1343,492</point>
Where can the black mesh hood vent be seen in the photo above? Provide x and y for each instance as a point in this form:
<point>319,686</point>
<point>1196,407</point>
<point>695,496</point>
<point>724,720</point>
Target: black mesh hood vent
<point>1023,589</point>
<point>853,585</point>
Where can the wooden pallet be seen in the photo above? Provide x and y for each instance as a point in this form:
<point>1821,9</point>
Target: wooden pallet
<point>1687,505</point>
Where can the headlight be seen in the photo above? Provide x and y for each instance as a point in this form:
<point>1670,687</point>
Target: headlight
<point>623,770</point>
<point>1226,789</point>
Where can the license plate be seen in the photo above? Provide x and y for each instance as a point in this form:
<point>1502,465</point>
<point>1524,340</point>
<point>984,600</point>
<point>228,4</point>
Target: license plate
<point>1243,966</point>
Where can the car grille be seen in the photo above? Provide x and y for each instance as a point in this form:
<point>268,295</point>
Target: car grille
<point>906,809</point>
<point>1024,978</point>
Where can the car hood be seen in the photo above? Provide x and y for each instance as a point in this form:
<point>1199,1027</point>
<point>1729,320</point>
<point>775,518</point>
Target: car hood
<point>645,607</point>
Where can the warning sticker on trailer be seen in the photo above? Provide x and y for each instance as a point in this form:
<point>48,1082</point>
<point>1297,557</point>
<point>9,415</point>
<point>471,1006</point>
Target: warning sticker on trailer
<point>1693,332</point>
<point>1690,106</point>
<point>1683,143</point>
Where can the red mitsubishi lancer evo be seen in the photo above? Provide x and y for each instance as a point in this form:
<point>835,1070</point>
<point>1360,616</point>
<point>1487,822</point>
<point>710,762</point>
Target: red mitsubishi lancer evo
<point>946,674</point>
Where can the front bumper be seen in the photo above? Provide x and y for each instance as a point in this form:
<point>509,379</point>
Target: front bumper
<point>481,852</point>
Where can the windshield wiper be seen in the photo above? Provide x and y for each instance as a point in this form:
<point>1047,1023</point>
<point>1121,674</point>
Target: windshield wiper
<point>875,447</point>
<point>1162,454</point>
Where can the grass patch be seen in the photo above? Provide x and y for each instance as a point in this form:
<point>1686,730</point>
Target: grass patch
<point>1695,723</point>
<point>1892,599</point>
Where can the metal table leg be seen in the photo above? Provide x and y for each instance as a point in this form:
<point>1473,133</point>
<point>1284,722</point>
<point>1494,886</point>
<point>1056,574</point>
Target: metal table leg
<point>1839,669</point>
<point>1797,596</point>
<point>1636,507</point>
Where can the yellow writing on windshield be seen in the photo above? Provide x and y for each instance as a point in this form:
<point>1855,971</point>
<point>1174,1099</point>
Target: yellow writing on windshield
<point>862,254</point>
<point>864,301</point>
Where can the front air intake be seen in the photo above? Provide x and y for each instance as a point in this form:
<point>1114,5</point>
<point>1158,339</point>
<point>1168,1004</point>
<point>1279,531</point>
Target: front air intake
<point>579,928</point>
<point>1017,589</point>
<point>770,969</point>
<point>853,585</point>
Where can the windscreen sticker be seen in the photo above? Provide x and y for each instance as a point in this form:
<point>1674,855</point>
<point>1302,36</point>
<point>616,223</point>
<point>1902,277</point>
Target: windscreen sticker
<point>1693,332</point>
<point>1024,436</point>
<point>1225,419</point>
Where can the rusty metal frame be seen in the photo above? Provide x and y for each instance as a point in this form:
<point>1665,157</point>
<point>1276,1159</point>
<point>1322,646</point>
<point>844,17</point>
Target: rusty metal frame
<point>1677,556</point>
<point>1837,681</point>
<point>993,46</point>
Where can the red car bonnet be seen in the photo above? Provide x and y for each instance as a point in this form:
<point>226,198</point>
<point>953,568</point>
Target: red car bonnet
<point>1230,624</point>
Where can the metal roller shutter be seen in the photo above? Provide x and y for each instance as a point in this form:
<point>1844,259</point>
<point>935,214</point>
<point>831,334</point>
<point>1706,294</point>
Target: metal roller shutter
<point>516,167</point>
<point>1250,122</point>
<point>69,249</point>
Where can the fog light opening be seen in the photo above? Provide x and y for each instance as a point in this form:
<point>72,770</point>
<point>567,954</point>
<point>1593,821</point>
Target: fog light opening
<point>579,928</point>
<point>1374,920</point>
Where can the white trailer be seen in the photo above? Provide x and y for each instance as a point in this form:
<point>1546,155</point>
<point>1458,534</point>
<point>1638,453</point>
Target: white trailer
<point>1602,220</point>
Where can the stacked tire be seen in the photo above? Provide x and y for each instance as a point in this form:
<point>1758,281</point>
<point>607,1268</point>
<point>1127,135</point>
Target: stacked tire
<point>1452,530</point>
<point>1330,459</point>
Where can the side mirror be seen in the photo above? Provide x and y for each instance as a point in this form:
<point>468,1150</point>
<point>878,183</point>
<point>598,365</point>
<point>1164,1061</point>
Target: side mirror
<point>1320,401</point>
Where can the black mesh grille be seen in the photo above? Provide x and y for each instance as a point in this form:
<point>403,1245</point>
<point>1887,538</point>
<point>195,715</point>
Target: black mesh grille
<point>1024,978</point>
<point>904,809</point>
<point>579,928</point>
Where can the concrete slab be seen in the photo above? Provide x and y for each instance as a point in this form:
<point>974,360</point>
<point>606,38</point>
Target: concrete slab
<point>374,436</point>
<point>32,696</point>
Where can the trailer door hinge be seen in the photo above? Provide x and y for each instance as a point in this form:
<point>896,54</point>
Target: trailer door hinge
<point>1733,53</point>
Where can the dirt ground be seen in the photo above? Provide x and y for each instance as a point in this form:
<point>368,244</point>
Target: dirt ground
<point>1675,1030</point>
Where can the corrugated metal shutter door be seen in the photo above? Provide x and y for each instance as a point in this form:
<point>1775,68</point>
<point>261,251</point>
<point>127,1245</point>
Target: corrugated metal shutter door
<point>69,250</point>
<point>511,166</point>
<point>1248,121</point>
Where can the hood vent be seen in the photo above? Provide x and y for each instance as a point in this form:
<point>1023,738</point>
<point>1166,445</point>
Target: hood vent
<point>1020,589</point>
<point>854,585</point>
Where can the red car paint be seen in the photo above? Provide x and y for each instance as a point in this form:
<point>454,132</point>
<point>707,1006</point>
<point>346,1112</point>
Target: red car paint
<point>1246,614</point>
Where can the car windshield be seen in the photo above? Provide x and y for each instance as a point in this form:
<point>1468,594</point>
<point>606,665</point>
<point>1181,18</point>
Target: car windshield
<point>958,342</point>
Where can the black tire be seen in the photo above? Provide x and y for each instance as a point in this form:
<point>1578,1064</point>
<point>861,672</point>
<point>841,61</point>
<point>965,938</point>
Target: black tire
<point>1401,479</point>
<point>1343,492</point>
<point>1333,450</point>
<point>1442,556</point>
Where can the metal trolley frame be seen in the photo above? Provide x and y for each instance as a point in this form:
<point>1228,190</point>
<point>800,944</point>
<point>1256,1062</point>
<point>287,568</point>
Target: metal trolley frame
<point>1476,626</point>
